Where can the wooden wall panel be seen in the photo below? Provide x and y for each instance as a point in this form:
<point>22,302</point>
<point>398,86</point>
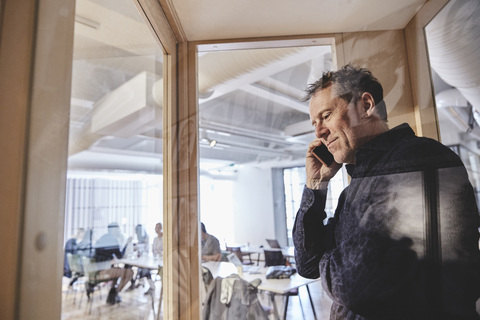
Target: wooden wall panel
<point>174,300</point>
<point>35,72</point>
<point>16,56</point>
<point>181,257</point>
<point>384,53</point>
<point>422,87</point>
<point>42,255</point>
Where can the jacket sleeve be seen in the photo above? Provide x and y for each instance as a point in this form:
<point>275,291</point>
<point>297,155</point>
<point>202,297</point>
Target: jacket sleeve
<point>311,237</point>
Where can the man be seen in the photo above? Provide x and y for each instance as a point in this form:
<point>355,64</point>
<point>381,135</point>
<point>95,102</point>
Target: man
<point>210,246</point>
<point>107,249</point>
<point>71,247</point>
<point>403,243</point>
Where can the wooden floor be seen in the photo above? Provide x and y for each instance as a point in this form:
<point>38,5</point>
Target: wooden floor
<point>135,305</point>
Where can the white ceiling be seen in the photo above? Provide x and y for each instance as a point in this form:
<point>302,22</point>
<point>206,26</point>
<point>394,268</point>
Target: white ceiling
<point>227,19</point>
<point>249,99</point>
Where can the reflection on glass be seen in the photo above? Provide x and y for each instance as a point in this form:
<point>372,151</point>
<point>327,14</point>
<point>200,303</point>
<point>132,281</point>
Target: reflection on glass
<point>254,130</point>
<point>250,103</point>
<point>452,38</point>
<point>114,179</point>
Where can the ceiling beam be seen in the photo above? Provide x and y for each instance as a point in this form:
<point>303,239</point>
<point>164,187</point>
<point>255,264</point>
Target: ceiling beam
<point>275,98</point>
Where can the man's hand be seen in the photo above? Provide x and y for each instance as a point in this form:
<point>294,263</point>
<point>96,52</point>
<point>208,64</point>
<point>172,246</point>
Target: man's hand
<point>318,174</point>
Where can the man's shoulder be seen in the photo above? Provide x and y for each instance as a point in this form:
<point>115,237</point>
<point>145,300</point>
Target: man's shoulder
<point>213,238</point>
<point>424,146</point>
<point>421,151</point>
<point>107,240</point>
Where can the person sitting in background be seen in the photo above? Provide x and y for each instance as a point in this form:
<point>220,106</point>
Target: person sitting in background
<point>210,246</point>
<point>85,246</point>
<point>71,247</point>
<point>157,246</point>
<point>110,244</point>
<point>108,248</point>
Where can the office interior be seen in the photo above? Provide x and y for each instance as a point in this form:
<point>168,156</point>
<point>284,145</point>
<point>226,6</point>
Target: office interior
<point>146,111</point>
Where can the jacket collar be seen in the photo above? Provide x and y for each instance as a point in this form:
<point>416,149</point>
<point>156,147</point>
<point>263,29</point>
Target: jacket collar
<point>378,146</point>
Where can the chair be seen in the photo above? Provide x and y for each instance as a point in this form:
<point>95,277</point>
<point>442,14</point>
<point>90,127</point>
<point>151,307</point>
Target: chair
<point>238,252</point>
<point>76,267</point>
<point>157,317</point>
<point>91,269</point>
<point>274,258</point>
<point>273,243</point>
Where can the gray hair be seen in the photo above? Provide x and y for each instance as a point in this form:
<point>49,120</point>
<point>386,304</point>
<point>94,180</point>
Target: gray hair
<point>349,83</point>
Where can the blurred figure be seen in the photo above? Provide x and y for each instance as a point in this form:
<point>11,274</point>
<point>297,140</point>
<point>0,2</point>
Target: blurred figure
<point>85,246</point>
<point>108,248</point>
<point>141,247</point>
<point>143,239</point>
<point>157,246</point>
<point>210,246</point>
<point>111,243</point>
<point>71,247</point>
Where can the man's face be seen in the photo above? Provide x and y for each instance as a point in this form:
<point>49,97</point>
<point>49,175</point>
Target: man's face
<point>338,124</point>
<point>158,228</point>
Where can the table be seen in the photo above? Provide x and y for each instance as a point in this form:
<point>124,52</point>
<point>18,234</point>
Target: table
<point>144,261</point>
<point>274,286</point>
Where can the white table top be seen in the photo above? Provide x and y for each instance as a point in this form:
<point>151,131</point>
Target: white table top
<point>281,286</point>
<point>287,251</point>
<point>144,261</point>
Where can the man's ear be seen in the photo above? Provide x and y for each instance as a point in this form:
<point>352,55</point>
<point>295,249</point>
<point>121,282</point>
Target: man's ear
<point>368,104</point>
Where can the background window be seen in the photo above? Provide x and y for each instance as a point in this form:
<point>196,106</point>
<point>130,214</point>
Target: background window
<point>294,180</point>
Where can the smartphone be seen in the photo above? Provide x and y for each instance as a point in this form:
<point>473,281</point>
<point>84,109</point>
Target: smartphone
<point>321,153</point>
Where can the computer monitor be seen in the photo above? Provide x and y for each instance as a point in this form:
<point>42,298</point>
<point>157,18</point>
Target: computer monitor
<point>273,243</point>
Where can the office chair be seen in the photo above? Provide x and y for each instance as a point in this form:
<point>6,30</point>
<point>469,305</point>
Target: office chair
<point>274,258</point>
<point>238,252</point>
<point>92,268</point>
<point>75,263</point>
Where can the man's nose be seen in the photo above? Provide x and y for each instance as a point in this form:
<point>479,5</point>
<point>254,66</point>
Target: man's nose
<point>321,131</point>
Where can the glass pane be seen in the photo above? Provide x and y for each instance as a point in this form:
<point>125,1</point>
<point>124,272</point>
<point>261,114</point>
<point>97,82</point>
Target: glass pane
<point>454,52</point>
<point>114,179</point>
<point>253,124</point>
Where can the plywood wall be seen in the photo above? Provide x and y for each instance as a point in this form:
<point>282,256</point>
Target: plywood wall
<point>15,63</point>
<point>383,53</point>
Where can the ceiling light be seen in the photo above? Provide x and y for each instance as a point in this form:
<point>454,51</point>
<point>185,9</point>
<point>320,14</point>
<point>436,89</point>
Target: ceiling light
<point>212,143</point>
